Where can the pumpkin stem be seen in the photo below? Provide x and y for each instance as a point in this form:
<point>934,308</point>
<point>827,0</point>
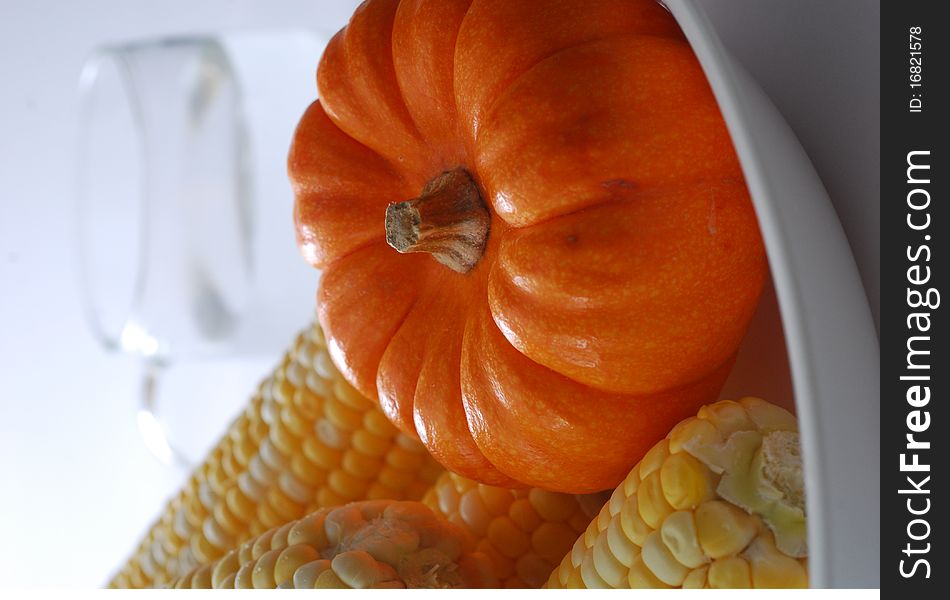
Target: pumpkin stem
<point>449,220</point>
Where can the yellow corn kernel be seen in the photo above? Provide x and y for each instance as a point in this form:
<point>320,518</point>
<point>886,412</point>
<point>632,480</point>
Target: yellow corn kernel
<point>640,576</point>
<point>719,503</point>
<point>633,525</point>
<point>524,532</point>
<point>551,540</point>
<point>226,519</point>
<point>405,460</point>
<point>686,482</point>
<point>295,489</point>
<point>574,580</point>
<point>267,517</point>
<point>631,483</point>
<point>371,444</point>
<point>727,416</point>
<point>226,567</point>
<point>507,538</point>
<point>661,562</point>
<point>589,574</point>
<point>285,444</point>
<point>532,568</point>
<point>306,472</point>
<point>652,501</point>
<point>292,558</point>
<point>723,528</point>
<point>261,543</point>
<point>610,570</point>
<point>523,514</point>
<point>654,458</point>
<point>305,577</point>
<point>309,530</point>
<point>282,505</point>
<point>377,424</point>
<point>602,520</point>
<point>243,579</point>
<point>578,550</point>
<point>590,534</point>
<point>359,570</point>
<point>580,520</point>
<point>262,578</point>
<point>349,486</point>
<point>279,539</point>
<point>306,407</point>
<point>616,500</point>
<point>552,506</point>
<point>378,491</point>
<point>331,435</point>
<point>621,547</point>
<point>692,429</point>
<point>328,580</point>
<point>496,500</point>
<point>362,545</point>
<point>396,478</point>
<point>773,569</point>
<point>306,440</point>
<point>502,566</point>
<point>343,416</point>
<point>679,535</point>
<point>350,396</point>
<point>246,551</point>
<point>322,364</point>
<point>696,579</point>
<point>730,572</point>
<point>474,512</point>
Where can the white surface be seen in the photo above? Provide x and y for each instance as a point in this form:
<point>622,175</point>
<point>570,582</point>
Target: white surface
<point>76,475</point>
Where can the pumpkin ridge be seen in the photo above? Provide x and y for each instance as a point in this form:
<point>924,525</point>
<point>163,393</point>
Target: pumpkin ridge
<point>447,158</point>
<point>458,450</point>
<point>362,98</point>
<point>508,19</point>
<point>394,76</point>
<point>489,110</point>
<point>348,253</point>
<point>390,405</point>
<point>391,169</point>
<point>632,193</point>
<point>346,327</point>
<point>673,389</point>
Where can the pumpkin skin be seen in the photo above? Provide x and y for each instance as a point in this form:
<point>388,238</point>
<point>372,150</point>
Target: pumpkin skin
<point>623,260</point>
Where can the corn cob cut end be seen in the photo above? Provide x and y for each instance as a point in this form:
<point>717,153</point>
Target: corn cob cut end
<point>719,503</point>
<point>369,544</point>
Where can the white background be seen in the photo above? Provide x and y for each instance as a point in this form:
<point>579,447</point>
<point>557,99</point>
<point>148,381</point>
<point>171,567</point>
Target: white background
<point>77,486</point>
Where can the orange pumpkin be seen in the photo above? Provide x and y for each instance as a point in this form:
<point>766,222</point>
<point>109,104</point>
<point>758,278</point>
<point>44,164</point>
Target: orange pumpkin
<point>597,257</point>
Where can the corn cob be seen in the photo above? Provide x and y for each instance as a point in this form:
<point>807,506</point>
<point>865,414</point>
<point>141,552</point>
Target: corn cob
<point>307,440</point>
<point>525,532</point>
<point>370,544</point>
<point>719,503</point>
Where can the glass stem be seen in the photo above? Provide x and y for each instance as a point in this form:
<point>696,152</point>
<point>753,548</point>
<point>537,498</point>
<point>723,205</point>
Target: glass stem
<point>153,432</point>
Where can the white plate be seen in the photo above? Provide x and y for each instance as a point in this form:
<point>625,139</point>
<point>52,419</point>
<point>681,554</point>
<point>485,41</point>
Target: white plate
<point>829,335</point>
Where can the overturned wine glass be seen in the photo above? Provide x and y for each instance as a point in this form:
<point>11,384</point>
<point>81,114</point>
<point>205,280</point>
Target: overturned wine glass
<point>177,260</point>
